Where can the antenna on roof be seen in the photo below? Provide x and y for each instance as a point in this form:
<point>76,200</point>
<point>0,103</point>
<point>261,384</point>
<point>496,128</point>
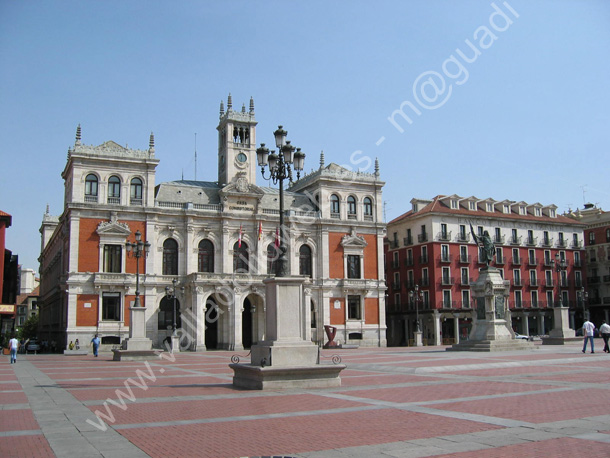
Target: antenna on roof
<point>583,193</point>
<point>195,156</point>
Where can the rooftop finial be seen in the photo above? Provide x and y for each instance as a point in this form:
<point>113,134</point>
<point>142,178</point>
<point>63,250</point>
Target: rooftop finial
<point>322,159</point>
<point>243,108</point>
<point>47,211</point>
<point>78,133</point>
<point>151,143</point>
<point>376,167</point>
<point>222,108</point>
<point>251,105</point>
<point>230,103</point>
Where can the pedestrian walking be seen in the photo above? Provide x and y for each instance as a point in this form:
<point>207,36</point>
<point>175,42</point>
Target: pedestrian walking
<point>96,344</point>
<point>77,344</point>
<point>604,330</point>
<point>13,346</point>
<point>588,330</point>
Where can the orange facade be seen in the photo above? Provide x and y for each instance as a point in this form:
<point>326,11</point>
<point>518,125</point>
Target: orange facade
<point>335,256</point>
<point>87,310</point>
<point>337,315</point>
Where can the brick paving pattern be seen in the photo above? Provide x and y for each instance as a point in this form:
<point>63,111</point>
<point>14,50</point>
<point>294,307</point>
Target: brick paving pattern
<point>393,402</point>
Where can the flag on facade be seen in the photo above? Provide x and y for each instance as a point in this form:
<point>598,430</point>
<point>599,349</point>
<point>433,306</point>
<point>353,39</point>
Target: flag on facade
<point>277,236</point>
<point>260,230</point>
<point>239,240</point>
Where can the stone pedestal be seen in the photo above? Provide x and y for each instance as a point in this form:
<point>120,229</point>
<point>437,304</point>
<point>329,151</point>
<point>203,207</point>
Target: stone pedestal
<point>287,358</point>
<point>491,330</point>
<point>561,332</point>
<point>417,339</point>
<point>137,347</point>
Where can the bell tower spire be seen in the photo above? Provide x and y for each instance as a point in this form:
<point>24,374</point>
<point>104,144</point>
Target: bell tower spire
<point>236,144</point>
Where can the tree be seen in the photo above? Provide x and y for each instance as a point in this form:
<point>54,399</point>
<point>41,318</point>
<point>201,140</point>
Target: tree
<point>29,329</point>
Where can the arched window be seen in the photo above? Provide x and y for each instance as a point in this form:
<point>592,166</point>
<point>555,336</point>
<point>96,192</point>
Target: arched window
<point>368,206</point>
<point>91,188</point>
<point>165,319</point>
<point>351,207</point>
<point>136,191</point>
<point>170,257</point>
<point>206,256</point>
<point>305,260</point>
<point>114,190</point>
<point>273,252</point>
<point>334,205</point>
<point>240,258</point>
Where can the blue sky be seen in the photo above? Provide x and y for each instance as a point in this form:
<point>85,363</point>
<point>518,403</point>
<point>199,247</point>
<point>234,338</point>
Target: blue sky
<point>521,114</point>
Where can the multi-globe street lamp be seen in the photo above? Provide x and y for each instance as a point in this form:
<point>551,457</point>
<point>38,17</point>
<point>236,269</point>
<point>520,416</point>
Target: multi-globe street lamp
<point>137,249</point>
<point>280,168</point>
<point>583,298</point>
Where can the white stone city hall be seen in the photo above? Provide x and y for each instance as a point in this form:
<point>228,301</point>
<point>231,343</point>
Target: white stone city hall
<point>216,239</point>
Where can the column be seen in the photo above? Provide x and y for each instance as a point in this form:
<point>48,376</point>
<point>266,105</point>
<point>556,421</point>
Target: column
<point>437,327</point>
<point>541,324</point>
<point>525,330</point>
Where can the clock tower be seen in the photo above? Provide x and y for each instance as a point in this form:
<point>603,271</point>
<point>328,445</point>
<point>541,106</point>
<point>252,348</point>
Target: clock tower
<point>236,144</point>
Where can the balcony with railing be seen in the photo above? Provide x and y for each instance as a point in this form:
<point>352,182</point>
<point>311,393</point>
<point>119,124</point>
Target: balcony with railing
<point>465,259</point>
<point>466,281</point>
<point>515,240</point>
<point>500,260</point>
<point>443,304</point>
<point>91,199</point>
<point>547,242</point>
<point>562,243</point>
<point>445,258</point>
<point>425,281</point>
<point>532,283</point>
<point>548,262</point>
<point>423,259</point>
<point>578,283</point>
<point>393,244</point>
<point>606,278</point>
<point>447,281</point>
<point>408,240</point>
<point>463,237</point>
<point>593,280</point>
<point>516,260</point>
<point>409,283</point>
<point>395,263</point>
<point>114,200</point>
<point>443,236</point>
<point>135,202</point>
<point>549,283</point>
<point>422,237</point>
<point>577,263</point>
<point>576,243</point>
<point>499,239</point>
<point>396,286</point>
<point>531,241</point>
<point>531,261</point>
<point>409,261</point>
<point>517,282</point>
<point>564,283</point>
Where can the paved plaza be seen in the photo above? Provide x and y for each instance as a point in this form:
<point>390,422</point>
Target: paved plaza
<point>394,402</point>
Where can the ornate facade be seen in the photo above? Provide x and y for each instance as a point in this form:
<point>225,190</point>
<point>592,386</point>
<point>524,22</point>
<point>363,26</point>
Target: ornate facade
<point>217,239</point>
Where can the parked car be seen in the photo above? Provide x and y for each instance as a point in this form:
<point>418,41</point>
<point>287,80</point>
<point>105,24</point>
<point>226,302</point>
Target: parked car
<point>520,336</point>
<point>33,345</point>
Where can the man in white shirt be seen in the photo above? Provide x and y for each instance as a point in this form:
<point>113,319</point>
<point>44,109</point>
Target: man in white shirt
<point>604,330</point>
<point>13,346</point>
<point>588,330</point>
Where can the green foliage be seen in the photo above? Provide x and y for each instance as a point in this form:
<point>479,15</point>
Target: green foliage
<point>29,329</point>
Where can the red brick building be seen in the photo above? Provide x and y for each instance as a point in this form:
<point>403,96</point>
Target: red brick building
<point>431,246</point>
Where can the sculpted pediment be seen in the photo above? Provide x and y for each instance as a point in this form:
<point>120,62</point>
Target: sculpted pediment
<point>113,227</point>
<point>353,240</point>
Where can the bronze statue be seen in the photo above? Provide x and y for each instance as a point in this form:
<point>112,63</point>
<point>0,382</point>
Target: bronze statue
<point>488,248</point>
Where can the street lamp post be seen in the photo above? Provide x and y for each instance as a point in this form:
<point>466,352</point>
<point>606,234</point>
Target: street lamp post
<point>560,266</point>
<point>137,249</point>
<point>280,168</point>
<point>583,297</point>
<point>416,295</point>
<point>170,292</point>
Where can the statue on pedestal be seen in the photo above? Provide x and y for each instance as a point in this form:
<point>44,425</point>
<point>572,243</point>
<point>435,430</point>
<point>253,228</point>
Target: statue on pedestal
<point>488,249</point>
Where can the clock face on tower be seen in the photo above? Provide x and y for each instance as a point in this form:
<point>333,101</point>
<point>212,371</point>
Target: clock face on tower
<point>241,157</point>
